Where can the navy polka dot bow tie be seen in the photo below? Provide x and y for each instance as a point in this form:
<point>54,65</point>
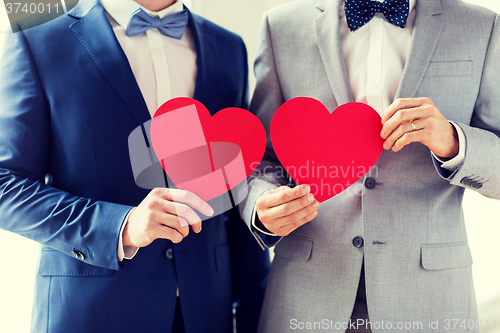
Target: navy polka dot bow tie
<point>360,12</point>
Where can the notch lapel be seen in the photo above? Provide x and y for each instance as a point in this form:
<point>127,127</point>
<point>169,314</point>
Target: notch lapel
<point>428,25</point>
<point>94,32</point>
<point>206,53</point>
<point>327,29</point>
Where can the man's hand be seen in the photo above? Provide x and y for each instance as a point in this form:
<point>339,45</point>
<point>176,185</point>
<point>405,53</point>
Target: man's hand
<point>164,213</point>
<point>410,120</point>
<point>284,209</point>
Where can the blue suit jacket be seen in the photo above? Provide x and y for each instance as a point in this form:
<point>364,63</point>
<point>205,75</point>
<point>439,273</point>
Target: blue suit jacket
<point>69,101</point>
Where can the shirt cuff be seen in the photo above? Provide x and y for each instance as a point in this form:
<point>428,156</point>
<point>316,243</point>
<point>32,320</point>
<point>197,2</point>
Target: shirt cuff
<point>254,217</point>
<point>266,238</point>
<point>458,160</point>
<point>126,251</point>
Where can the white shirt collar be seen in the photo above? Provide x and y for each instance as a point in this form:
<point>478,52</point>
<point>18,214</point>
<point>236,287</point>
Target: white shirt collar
<point>121,10</point>
<point>412,4</point>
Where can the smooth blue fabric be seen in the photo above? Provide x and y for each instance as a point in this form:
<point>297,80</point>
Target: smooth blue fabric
<point>360,12</point>
<point>172,25</point>
<point>69,101</point>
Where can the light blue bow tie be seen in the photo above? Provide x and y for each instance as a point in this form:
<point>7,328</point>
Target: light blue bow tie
<point>172,25</point>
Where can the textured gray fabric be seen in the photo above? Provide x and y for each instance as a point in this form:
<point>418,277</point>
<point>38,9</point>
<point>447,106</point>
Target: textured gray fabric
<point>417,260</point>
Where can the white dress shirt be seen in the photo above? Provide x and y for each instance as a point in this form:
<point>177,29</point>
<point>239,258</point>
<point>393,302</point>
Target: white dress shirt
<point>375,57</point>
<point>163,67</point>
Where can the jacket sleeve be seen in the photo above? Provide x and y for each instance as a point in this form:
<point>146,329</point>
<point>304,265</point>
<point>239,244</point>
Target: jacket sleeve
<point>479,171</point>
<point>80,227</point>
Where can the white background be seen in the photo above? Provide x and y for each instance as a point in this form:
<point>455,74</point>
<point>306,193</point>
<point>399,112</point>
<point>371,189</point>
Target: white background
<point>19,256</point>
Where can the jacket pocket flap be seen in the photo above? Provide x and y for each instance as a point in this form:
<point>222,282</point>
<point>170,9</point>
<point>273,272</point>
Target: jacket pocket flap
<point>450,68</point>
<point>55,263</point>
<point>294,248</point>
<point>445,256</point>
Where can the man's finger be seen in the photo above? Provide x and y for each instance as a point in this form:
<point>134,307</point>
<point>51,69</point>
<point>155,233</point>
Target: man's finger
<point>399,104</point>
<point>196,227</point>
<point>406,139</point>
<point>183,211</point>
<point>184,225</point>
<point>164,232</point>
<point>290,207</point>
<point>285,194</point>
<point>175,222</point>
<point>295,218</point>
<point>401,117</point>
<point>188,198</point>
<point>402,129</point>
<point>287,229</point>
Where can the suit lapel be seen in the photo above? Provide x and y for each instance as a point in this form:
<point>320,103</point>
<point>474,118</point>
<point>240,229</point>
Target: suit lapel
<point>428,25</point>
<point>94,32</point>
<point>206,54</point>
<point>327,29</point>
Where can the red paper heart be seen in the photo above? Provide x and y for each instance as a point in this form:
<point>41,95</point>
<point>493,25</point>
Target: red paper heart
<point>330,152</point>
<point>206,155</point>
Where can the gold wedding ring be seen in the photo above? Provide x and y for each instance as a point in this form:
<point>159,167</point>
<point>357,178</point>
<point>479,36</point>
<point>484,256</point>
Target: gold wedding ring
<point>413,125</point>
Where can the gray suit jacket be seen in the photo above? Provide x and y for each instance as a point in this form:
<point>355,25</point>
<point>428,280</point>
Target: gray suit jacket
<point>417,259</point>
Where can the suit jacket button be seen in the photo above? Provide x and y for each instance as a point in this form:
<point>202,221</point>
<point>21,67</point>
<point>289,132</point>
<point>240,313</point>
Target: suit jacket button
<point>370,183</point>
<point>74,254</point>
<point>357,241</point>
<point>479,185</point>
<point>169,253</point>
<point>464,180</point>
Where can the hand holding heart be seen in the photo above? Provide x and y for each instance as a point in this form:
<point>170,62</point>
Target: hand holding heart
<point>204,156</point>
<point>284,209</point>
<point>336,150</point>
<point>164,213</point>
<point>405,121</point>
<point>410,120</point>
